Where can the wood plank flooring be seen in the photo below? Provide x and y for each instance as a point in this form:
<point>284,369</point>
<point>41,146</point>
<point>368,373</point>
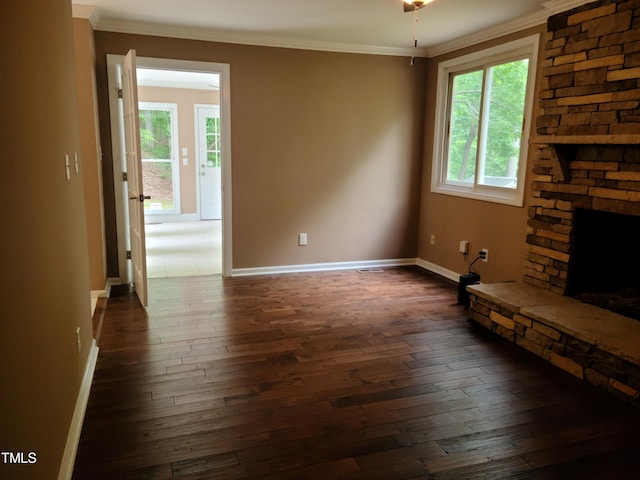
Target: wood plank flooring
<point>334,375</point>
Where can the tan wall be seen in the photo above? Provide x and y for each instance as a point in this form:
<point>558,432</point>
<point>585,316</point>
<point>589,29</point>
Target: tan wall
<point>499,228</point>
<point>186,99</point>
<point>324,143</point>
<point>91,162</point>
<point>43,248</point>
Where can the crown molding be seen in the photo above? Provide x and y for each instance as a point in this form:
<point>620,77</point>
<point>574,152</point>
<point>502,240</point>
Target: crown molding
<point>533,20</point>
<point>557,6</point>
<point>551,7</point>
<point>87,12</point>
<point>206,34</point>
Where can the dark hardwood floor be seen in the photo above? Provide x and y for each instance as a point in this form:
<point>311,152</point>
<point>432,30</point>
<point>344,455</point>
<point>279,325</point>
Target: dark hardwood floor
<point>337,375</point>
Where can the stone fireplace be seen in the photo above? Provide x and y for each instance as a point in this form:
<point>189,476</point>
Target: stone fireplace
<point>588,133</point>
<point>585,206</point>
<point>583,221</point>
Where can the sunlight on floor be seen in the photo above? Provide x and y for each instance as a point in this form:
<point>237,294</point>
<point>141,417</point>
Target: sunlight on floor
<point>184,249</point>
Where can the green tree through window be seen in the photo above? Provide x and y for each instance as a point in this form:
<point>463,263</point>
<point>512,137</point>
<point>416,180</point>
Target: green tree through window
<point>158,157</point>
<point>484,101</point>
<point>155,134</point>
<point>214,157</point>
<point>486,119</point>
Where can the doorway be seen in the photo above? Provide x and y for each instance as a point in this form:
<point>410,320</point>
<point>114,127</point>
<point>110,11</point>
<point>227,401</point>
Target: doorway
<point>187,236</point>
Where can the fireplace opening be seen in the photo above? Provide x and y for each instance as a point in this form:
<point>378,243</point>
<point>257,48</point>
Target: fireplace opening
<point>605,264</point>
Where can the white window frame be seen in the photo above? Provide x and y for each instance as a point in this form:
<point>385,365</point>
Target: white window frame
<point>175,170</point>
<point>525,47</point>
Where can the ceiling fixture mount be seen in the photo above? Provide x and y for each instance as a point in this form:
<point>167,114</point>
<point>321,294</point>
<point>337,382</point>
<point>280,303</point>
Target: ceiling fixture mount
<point>413,5</point>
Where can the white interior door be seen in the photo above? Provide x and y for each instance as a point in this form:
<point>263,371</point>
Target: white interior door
<point>209,161</point>
<point>134,175</point>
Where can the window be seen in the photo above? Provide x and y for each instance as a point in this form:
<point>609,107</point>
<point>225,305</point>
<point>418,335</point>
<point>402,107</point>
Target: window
<point>214,155</point>
<point>483,118</point>
<point>158,137</point>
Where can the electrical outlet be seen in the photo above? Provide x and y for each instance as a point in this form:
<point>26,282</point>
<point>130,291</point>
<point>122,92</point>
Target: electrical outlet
<point>464,246</point>
<point>486,254</point>
<point>433,239</point>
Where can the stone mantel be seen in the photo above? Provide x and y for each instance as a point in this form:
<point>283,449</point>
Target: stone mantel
<point>562,147</point>
<point>621,139</point>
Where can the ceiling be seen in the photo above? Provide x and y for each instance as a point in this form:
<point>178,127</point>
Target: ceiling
<point>361,26</point>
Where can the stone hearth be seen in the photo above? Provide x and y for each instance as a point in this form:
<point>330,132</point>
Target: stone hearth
<point>589,342</point>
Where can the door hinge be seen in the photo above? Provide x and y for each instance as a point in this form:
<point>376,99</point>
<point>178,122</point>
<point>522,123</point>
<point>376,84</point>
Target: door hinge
<point>128,254</point>
<point>124,176</point>
<point>119,93</point>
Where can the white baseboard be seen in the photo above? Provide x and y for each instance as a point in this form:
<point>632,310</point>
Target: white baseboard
<point>443,272</point>
<point>111,281</point>
<point>73,438</point>
<point>96,294</point>
<point>318,267</point>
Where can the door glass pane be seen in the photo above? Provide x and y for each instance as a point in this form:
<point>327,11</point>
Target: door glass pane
<point>213,142</point>
<point>466,98</point>
<point>504,112</point>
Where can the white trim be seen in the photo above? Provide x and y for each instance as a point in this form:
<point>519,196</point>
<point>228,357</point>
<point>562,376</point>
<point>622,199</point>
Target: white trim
<point>88,12</point>
<point>525,47</point>
<point>111,281</point>
<point>73,437</point>
<point>516,25</point>
<point>114,63</point>
<point>225,126</point>
<point>557,6</point>
<point>320,267</point>
<point>443,272</point>
<point>193,33</point>
<point>209,35</point>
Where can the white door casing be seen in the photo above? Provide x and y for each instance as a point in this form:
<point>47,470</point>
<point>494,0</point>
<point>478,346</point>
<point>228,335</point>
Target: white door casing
<point>114,63</point>
<point>134,175</point>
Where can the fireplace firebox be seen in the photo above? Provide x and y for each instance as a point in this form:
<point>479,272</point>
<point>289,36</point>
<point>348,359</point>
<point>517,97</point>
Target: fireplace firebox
<point>605,265</point>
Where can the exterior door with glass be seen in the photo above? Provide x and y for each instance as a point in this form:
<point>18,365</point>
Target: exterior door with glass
<point>209,161</point>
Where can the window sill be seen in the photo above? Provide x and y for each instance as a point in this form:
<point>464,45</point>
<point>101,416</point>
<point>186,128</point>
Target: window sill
<point>512,198</point>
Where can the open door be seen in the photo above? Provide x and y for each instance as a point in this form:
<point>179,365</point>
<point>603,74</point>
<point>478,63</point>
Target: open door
<point>134,175</point>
